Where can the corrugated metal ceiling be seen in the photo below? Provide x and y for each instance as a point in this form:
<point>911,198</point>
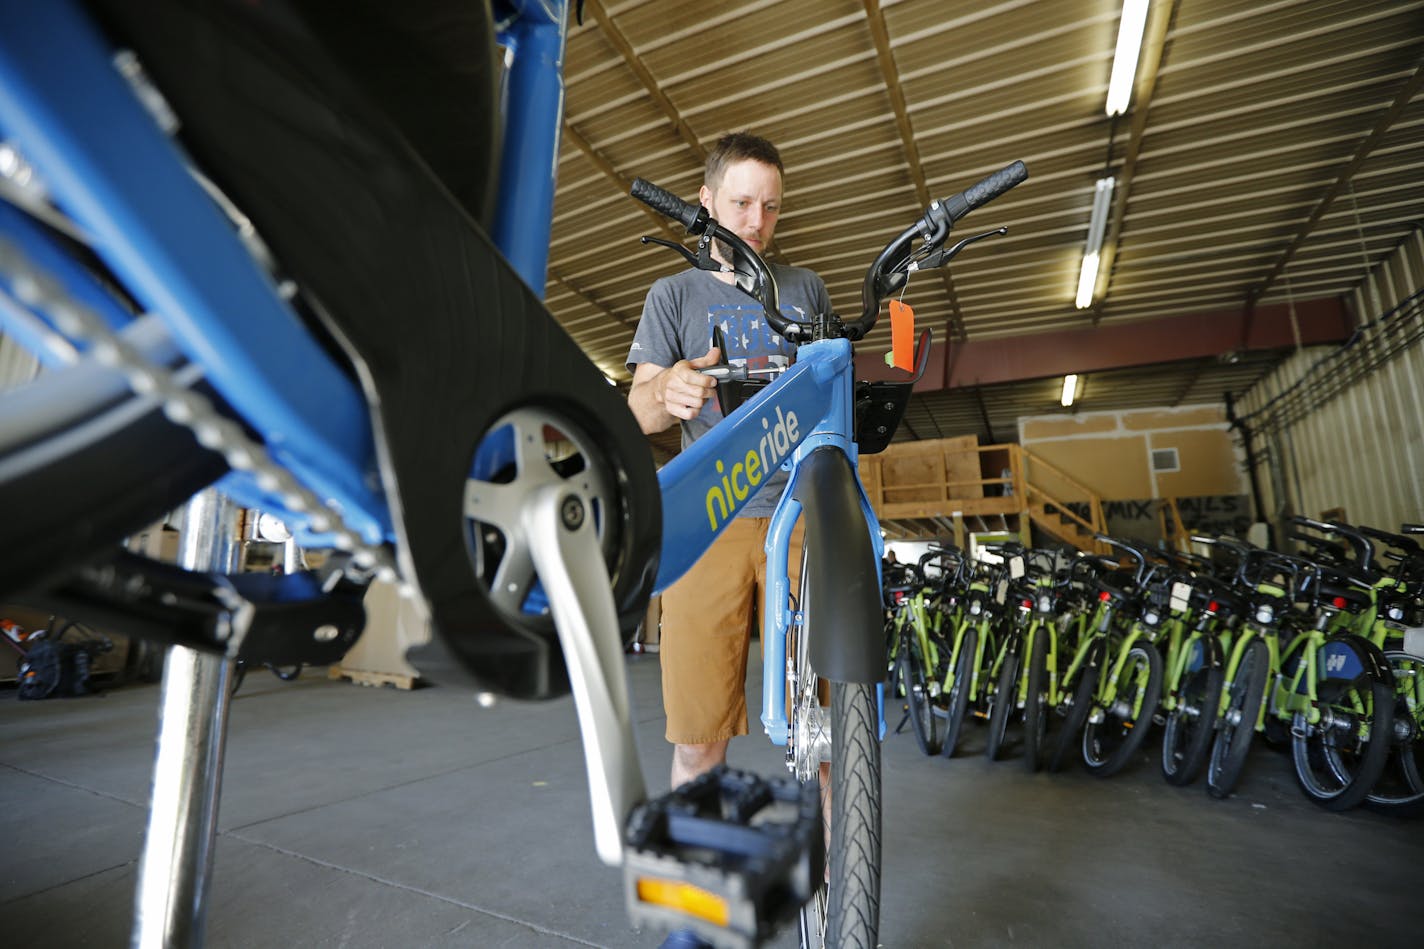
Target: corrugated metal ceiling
<point>1272,153</point>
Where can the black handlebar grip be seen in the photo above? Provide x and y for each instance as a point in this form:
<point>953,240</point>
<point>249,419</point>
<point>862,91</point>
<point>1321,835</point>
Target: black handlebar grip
<point>986,190</point>
<point>691,216</point>
<point>995,185</point>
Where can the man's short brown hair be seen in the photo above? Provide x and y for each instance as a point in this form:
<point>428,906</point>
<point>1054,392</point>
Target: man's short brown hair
<point>735,147</point>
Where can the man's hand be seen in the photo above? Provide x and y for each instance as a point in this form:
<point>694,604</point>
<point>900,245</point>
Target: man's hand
<point>660,396</point>
<point>682,390</point>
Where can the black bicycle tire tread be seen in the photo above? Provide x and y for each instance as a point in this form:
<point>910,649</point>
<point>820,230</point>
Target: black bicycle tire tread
<point>922,721</point>
<point>959,701</point>
<point>1035,712</point>
<point>853,911</point>
<point>1372,765</point>
<point>1121,755</point>
<point>1198,744</point>
<point>1083,691</point>
<point>1002,710</point>
<point>1411,802</point>
<point>1223,777</point>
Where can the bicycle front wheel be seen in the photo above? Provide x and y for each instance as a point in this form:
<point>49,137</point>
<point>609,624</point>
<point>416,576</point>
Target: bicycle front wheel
<point>1080,704</point>
<point>1114,733</point>
<point>1035,717</point>
<point>1237,725</point>
<point>846,911</point>
<point>1400,789</point>
<point>853,912</point>
<point>911,671</point>
<point>1004,693</point>
<point>1186,739</point>
<point>1338,759</point>
<point>958,694</point>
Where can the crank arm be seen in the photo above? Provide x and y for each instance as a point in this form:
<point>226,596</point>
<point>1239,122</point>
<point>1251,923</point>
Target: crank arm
<point>566,553</point>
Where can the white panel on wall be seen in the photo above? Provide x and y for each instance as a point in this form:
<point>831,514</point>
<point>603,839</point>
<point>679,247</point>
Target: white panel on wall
<point>1362,450</point>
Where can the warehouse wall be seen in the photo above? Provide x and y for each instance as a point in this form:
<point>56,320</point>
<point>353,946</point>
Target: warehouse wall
<point>1111,452</point>
<point>1358,453</point>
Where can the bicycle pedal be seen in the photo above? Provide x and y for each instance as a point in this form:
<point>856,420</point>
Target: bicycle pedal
<point>729,856</point>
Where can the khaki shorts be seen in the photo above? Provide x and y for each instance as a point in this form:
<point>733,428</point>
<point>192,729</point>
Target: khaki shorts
<point>707,623</point>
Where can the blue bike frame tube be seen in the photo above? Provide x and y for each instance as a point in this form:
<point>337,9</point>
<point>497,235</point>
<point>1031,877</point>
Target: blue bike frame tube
<point>42,250</point>
<point>713,478</point>
<point>776,620</point>
<point>530,152</point>
<point>832,431</point>
<point>102,157</point>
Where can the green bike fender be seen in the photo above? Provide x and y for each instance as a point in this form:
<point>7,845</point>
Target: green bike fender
<point>843,585</point>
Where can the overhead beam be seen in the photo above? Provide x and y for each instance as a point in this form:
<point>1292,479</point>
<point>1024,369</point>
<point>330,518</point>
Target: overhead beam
<point>1190,383</point>
<point>1390,116</point>
<point>1123,345</point>
<point>875,18</point>
<point>591,299</point>
<point>1159,22</point>
<point>624,185</point>
<point>618,41</point>
<point>635,64</point>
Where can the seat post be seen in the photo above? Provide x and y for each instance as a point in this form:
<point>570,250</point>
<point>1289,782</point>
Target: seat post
<point>170,904</point>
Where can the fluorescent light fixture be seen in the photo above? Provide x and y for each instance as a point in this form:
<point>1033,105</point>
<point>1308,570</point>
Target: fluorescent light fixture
<point>1097,227</point>
<point>1070,389</point>
<point>1087,281</point>
<point>1129,44</point>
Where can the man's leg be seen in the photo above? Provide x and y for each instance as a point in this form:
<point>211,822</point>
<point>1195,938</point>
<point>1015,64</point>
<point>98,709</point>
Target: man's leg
<point>688,761</point>
<point>703,651</point>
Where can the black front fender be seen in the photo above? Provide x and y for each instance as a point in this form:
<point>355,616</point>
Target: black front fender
<point>843,582</point>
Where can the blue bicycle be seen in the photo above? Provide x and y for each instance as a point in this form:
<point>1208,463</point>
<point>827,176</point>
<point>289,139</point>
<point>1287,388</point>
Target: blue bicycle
<point>253,253</point>
<point>813,419</point>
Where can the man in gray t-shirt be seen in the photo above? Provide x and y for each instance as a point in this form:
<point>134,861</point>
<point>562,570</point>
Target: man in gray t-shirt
<point>707,615</point>
<point>678,318</point>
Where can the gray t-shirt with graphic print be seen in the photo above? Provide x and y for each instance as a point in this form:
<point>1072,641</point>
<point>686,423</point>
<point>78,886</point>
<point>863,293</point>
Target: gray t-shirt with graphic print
<point>677,322</point>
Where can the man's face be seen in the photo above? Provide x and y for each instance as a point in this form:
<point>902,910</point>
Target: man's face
<point>747,202</point>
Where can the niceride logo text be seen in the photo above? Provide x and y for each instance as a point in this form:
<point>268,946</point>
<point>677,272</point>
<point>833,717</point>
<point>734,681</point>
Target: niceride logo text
<point>744,476</point>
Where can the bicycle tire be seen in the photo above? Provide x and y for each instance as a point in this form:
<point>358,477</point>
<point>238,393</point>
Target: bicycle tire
<point>1187,735</point>
<point>958,694</point>
<point>1399,791</point>
<point>1035,715</point>
<point>1003,704</point>
<point>1235,729</point>
<point>336,219</point>
<point>1109,745</point>
<point>853,911</point>
<point>917,699</point>
<point>1081,705</point>
<point>1348,771</point>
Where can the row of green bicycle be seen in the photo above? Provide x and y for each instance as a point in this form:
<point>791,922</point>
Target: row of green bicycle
<point>1321,650</point>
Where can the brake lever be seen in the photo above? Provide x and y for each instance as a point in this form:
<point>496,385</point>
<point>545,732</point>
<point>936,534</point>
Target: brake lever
<point>702,260</point>
<point>943,256</point>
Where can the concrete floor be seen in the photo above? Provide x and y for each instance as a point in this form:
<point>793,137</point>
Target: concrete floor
<point>360,817</point>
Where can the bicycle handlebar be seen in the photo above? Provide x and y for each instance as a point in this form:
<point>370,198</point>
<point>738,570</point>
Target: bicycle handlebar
<point>986,190</point>
<point>691,216</point>
<point>696,220</point>
<point>932,228</point>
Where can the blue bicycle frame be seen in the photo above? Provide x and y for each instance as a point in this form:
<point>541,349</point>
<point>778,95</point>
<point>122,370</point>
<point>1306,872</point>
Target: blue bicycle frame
<point>808,407</point>
<point>105,161</point>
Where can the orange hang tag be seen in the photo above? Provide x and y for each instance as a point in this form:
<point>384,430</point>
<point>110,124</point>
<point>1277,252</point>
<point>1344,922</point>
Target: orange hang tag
<point>902,336</point>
